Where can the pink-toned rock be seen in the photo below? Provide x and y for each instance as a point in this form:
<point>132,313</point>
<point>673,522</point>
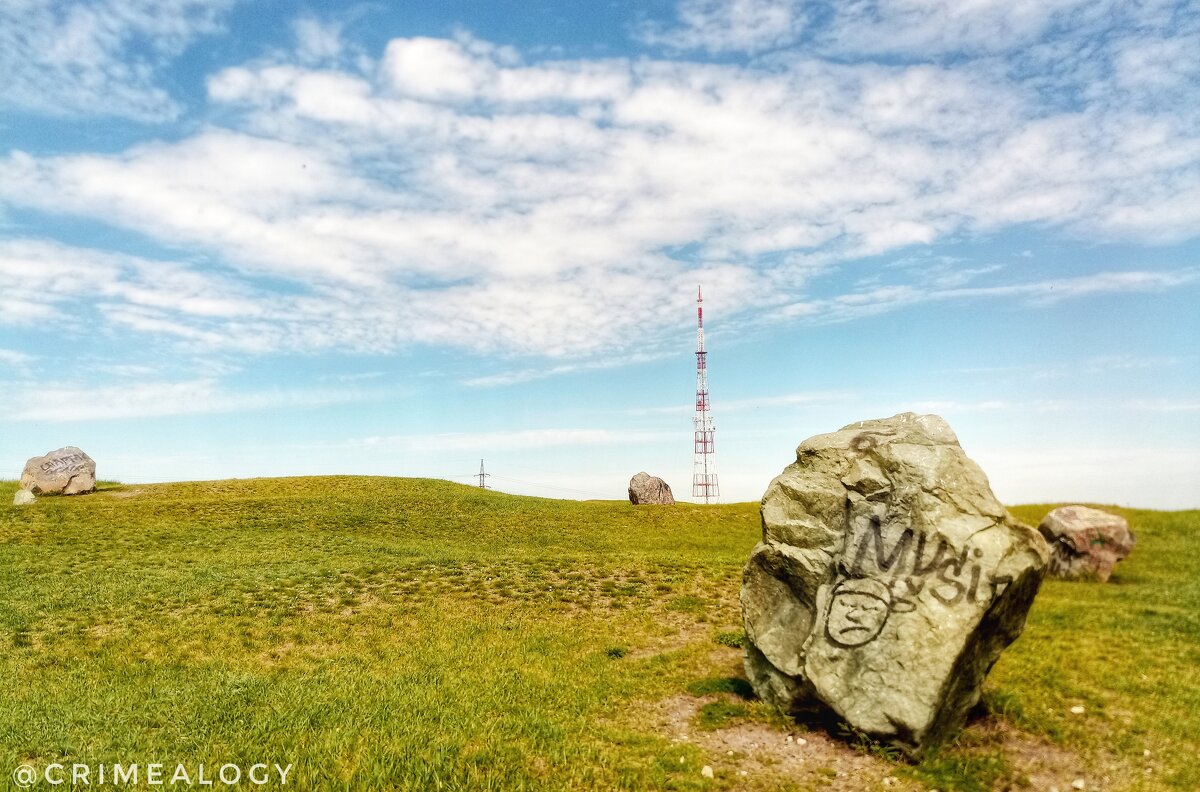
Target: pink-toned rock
<point>1085,542</point>
<point>67,471</point>
<point>646,489</point>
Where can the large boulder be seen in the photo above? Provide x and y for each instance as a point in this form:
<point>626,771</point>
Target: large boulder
<point>1085,543</point>
<point>67,471</point>
<point>887,582</point>
<point>647,489</point>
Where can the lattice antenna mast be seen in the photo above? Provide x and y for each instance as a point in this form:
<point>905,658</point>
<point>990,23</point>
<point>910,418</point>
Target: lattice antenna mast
<point>704,467</point>
<point>482,476</point>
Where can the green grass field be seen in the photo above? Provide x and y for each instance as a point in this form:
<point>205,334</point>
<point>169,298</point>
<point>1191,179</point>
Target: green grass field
<point>410,634</point>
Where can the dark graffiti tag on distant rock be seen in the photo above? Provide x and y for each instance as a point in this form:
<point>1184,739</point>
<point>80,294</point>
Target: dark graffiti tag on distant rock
<point>67,471</point>
<point>71,463</point>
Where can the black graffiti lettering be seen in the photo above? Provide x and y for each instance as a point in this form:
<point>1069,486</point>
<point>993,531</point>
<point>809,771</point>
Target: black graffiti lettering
<point>951,580</point>
<point>67,464</point>
<point>1000,584</point>
<point>958,588</point>
<point>931,562</point>
<point>883,559</point>
<point>973,591</point>
<point>921,567</point>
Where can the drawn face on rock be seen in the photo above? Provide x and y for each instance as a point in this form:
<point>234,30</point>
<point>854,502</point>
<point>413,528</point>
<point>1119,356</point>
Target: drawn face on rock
<point>857,612</point>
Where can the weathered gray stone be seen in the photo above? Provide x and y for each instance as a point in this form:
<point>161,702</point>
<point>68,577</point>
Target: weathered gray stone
<point>67,471</point>
<point>887,582</point>
<point>1085,542</point>
<point>23,498</point>
<point>646,489</point>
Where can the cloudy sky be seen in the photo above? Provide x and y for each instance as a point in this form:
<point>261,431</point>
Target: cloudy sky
<point>243,239</point>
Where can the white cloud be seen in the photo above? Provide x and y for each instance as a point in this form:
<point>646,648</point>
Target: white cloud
<point>430,68</point>
<point>316,40</point>
<point>97,58</point>
<point>757,403</point>
<point>1084,366</point>
<point>14,358</point>
<point>730,25</point>
<point>950,407</point>
<point>1161,478</point>
<point>1051,291</point>
<point>511,441</point>
<point>48,281</point>
<point>948,26</point>
<point>517,376</point>
<point>883,298</point>
<point>57,403</point>
<point>919,29</point>
<point>459,195</point>
<point>1165,405</point>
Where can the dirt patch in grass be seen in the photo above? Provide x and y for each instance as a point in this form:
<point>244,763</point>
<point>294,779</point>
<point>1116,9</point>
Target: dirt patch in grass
<point>1035,763</point>
<point>121,493</point>
<point>750,755</point>
<point>675,634</point>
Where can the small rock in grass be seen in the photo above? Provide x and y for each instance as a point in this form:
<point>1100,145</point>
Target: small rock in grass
<point>789,739</point>
<point>1146,753</point>
<point>646,489</point>
<point>741,772</point>
<point>23,498</point>
<point>1077,710</point>
<point>801,741</point>
<point>1078,783</point>
<point>890,781</point>
<point>682,759</point>
<point>706,771</point>
<point>729,753</point>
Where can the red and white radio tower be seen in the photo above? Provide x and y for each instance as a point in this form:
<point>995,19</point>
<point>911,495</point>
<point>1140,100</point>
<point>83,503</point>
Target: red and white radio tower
<point>704,468</point>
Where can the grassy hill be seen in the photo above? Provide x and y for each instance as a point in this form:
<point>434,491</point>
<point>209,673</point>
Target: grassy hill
<point>385,633</point>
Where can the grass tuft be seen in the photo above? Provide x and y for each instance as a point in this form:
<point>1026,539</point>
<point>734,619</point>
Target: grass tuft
<point>975,772</point>
<point>710,686</point>
<point>736,640</point>
<point>720,714</point>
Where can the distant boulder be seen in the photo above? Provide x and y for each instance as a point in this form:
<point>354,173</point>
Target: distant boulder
<point>67,471</point>
<point>645,489</point>
<point>1085,542</point>
<point>23,498</point>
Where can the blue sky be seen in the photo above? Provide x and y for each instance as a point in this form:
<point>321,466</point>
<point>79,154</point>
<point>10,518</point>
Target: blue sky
<point>243,239</point>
